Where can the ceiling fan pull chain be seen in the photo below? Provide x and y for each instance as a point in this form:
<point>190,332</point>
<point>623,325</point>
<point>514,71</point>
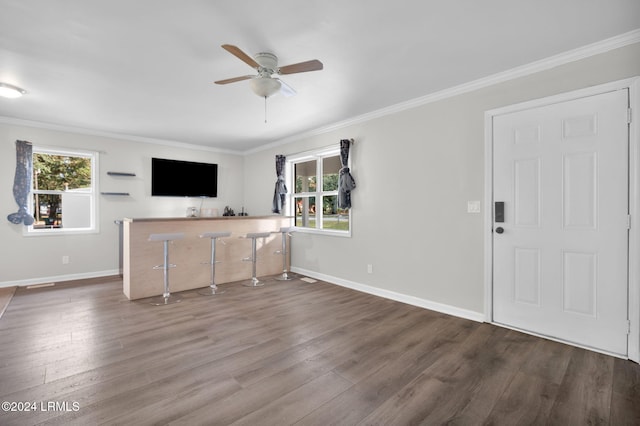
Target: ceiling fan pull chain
<point>265,110</point>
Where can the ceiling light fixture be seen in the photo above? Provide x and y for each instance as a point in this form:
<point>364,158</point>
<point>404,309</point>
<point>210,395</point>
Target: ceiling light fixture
<point>11,91</point>
<point>265,86</point>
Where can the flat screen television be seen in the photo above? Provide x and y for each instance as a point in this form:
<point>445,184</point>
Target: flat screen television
<point>175,178</point>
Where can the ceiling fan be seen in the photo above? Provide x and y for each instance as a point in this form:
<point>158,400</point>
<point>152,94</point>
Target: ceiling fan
<point>266,64</point>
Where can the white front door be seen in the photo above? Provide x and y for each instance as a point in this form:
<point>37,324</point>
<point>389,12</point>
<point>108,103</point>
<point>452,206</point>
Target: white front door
<point>560,257</point>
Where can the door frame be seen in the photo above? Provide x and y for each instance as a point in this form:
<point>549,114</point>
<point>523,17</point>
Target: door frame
<point>633,85</point>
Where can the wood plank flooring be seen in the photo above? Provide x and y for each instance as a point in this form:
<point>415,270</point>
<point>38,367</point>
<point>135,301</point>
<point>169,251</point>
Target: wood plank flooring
<point>290,353</point>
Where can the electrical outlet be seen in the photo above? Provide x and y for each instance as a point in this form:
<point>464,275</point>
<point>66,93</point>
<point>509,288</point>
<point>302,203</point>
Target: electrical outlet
<point>65,260</point>
<point>370,268</point>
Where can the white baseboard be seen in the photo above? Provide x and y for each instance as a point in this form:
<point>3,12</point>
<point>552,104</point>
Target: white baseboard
<point>59,278</point>
<point>387,294</point>
<point>398,297</point>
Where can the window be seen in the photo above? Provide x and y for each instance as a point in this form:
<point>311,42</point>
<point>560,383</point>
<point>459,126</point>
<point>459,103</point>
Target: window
<point>314,198</point>
<point>63,191</point>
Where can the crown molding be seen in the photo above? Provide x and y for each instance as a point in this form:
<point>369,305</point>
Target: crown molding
<point>123,137</point>
<point>583,52</point>
<point>589,50</point>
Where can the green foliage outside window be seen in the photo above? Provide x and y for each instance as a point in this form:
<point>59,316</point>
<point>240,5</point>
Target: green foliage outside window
<point>59,173</point>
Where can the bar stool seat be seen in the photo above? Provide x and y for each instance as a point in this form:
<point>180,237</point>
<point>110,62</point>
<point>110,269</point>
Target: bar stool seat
<point>167,298</point>
<point>214,236</point>
<point>254,282</point>
<point>285,231</point>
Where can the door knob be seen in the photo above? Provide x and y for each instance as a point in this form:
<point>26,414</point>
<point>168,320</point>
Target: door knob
<point>499,230</point>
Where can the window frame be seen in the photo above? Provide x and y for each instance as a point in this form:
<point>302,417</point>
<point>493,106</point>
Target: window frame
<point>316,155</point>
<point>93,228</point>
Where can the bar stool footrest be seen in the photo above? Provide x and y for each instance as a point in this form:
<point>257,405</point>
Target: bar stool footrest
<point>171,265</point>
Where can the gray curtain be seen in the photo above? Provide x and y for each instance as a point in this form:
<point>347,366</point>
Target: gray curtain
<point>346,183</point>
<point>22,183</point>
<point>280,192</point>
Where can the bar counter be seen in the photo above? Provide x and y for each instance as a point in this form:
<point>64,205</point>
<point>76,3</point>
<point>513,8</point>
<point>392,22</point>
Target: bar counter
<point>191,254</point>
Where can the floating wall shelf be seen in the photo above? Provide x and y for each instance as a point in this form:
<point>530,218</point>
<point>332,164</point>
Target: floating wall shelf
<point>125,174</point>
<point>115,193</point>
<point>120,174</point>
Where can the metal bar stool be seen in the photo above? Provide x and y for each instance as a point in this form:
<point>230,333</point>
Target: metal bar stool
<point>213,288</point>
<point>254,236</point>
<point>285,231</point>
<point>166,298</point>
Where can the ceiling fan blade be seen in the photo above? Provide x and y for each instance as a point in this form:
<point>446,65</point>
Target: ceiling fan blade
<point>238,53</point>
<point>286,90</point>
<point>312,65</point>
<point>234,79</point>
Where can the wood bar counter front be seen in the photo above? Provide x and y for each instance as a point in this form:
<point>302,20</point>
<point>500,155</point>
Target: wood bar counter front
<point>191,254</point>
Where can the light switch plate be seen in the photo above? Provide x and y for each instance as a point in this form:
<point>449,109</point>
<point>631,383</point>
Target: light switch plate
<point>473,206</point>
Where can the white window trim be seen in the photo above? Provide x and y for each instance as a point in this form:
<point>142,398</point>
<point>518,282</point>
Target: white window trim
<point>29,231</point>
<point>316,154</point>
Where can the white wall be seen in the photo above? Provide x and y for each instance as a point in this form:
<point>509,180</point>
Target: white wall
<point>37,259</point>
<point>415,172</point>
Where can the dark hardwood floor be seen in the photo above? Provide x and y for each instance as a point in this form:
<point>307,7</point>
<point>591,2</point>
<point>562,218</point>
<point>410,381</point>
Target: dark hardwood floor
<point>289,353</point>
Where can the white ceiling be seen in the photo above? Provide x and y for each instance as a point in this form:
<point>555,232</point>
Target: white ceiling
<point>145,68</point>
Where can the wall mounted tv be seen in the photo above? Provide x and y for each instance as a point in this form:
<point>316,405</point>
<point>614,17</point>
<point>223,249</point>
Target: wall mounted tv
<point>175,178</point>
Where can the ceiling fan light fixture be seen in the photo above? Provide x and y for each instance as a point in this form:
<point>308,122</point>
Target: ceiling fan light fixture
<point>11,91</point>
<point>265,86</point>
